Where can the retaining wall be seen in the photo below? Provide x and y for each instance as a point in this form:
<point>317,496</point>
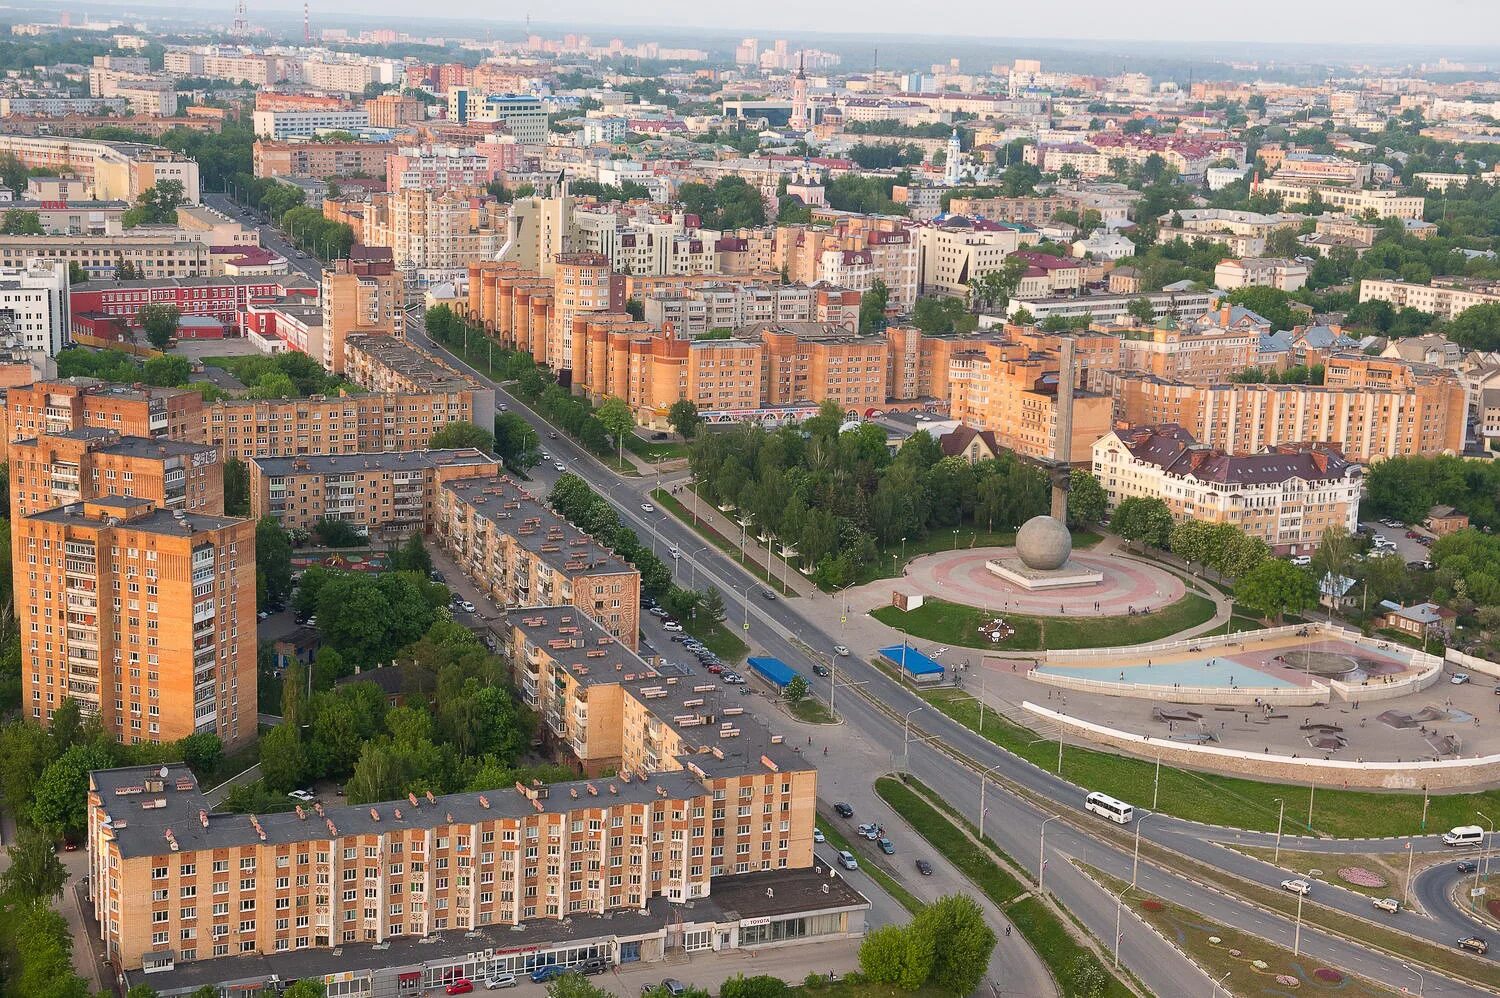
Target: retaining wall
<point>1289,696</point>
<point>1472,663</point>
<point>1445,774</point>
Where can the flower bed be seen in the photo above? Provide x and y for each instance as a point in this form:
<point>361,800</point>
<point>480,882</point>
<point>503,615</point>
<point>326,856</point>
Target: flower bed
<point>1150,905</point>
<point>1361,876</point>
<point>1328,975</point>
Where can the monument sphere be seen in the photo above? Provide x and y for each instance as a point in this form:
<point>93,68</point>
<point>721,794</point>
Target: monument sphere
<point>1043,543</point>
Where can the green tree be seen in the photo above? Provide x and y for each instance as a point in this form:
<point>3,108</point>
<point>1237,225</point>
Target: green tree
<point>1088,503</point>
<point>614,414</point>
<point>43,954</point>
<point>57,805</point>
<point>236,487</point>
<point>156,205</point>
<point>19,222</point>
<point>1476,327</point>
<point>1141,310</point>
<point>283,758</point>
<point>516,443</point>
<point>306,988</point>
<point>759,986</point>
<point>1335,553</point>
<point>993,291</point>
<point>328,667</point>
<point>898,955</point>
<point>683,417</point>
<point>796,691</point>
<point>872,306</point>
<point>35,873</point>
<point>412,556</point>
<point>460,434</point>
<point>332,532</point>
<point>575,985</point>
<point>1146,521</point>
<point>962,942</point>
<point>1272,304</point>
<point>273,559</point>
<point>1276,587</point>
<point>713,603</point>
<point>938,316</point>
<point>159,321</point>
<point>273,385</point>
<point>76,273</point>
<point>165,371</point>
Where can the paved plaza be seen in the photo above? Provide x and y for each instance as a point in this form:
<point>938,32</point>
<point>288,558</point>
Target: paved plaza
<point>961,577</point>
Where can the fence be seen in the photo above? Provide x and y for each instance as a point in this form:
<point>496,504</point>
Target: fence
<point>1291,696</point>
<point>1473,663</point>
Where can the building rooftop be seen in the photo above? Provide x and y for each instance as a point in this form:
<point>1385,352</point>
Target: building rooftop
<point>327,464</point>
<point>401,357</point>
<point>128,511</point>
<point>536,527</point>
<point>286,280</point>
<point>1172,449</point>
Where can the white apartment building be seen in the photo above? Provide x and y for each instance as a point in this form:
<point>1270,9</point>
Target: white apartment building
<point>1385,204</point>
<point>34,305</point>
<point>338,77</point>
<point>1286,496</point>
<point>306,124</point>
<point>1442,301</point>
<point>1260,272</point>
<point>524,116</point>
<point>57,106</point>
<point>948,258</point>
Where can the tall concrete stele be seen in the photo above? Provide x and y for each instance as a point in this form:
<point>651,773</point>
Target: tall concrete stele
<point>1043,544</point>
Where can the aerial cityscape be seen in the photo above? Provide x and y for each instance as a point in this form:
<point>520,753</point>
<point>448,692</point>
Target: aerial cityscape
<point>1038,469</point>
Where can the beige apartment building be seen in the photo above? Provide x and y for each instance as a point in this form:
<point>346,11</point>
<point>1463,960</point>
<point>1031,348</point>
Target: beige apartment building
<point>1368,408</point>
<point>144,616</point>
<point>1355,201</point>
<point>1012,392</point>
<point>342,424</point>
<point>79,465</point>
<point>382,491</point>
<point>167,252</point>
<point>522,554</point>
<point>1287,496</point>
<point>950,256</point>
<point>1179,355</point>
<point>362,294</point>
<point>394,366</point>
<point>320,159</point>
<point>62,404</point>
<point>1443,300</point>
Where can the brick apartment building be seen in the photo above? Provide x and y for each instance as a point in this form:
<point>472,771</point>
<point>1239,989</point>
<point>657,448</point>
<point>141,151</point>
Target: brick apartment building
<point>56,405</point>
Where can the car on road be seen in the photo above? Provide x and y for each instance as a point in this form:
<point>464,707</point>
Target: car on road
<point>766,593</point>
<point>1302,560</point>
<point>646,507</point>
<point>500,981</point>
<point>818,835</point>
<point>869,831</point>
<point>657,611</point>
<point>302,796</point>
<point>847,860</point>
<point>462,986</point>
<point>1476,943</point>
<point>843,810</point>
<point>1296,886</point>
<point>820,670</point>
<point>548,973</point>
<point>1467,866</point>
<point>551,434</point>
<point>715,669</point>
<point>924,868</point>
<point>840,650</point>
<point>886,846</point>
<point>560,466</point>
<point>671,625</point>
<point>1459,678</point>
<point>262,615</point>
<point>468,607</point>
<point>1390,905</point>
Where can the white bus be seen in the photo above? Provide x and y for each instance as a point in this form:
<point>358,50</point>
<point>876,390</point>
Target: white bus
<point>1107,807</point>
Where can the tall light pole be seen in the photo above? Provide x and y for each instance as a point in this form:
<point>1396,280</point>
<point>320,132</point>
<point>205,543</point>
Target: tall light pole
<point>1119,908</point>
<point>906,738</point>
<point>744,602</point>
<point>1135,862</point>
<point>1276,857</point>
<point>1297,932</point>
<point>1041,854</point>
<point>1220,984</point>
<point>984,779</point>
<point>1485,863</point>
<point>1421,981</point>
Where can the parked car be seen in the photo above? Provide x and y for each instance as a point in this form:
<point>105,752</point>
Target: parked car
<point>847,860</point>
<point>1296,886</point>
<point>673,987</point>
<point>843,810</point>
<point>500,981</point>
<point>1380,540</point>
<point>886,846</point>
<point>468,607</point>
<point>1302,560</point>
<point>646,507</point>
<point>462,986</point>
<point>1475,943</point>
<point>924,868</point>
<point>657,611</point>
<point>671,625</point>
<point>1413,535</point>
<point>1459,678</point>
<point>869,831</point>
<point>818,836</point>
<point>560,466</point>
<point>550,972</point>
<point>590,968</point>
<point>1390,905</point>
<point>302,796</point>
<point>715,669</point>
<point>840,650</point>
<point>820,670</point>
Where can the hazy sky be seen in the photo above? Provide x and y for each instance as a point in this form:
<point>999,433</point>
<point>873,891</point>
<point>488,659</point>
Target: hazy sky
<point>1466,22</point>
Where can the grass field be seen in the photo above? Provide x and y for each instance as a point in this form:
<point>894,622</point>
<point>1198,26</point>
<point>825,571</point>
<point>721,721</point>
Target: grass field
<point>1072,964</point>
<point>1192,932</point>
<point>811,710</point>
<point>956,624</point>
<point>1223,800</point>
<point>718,638</point>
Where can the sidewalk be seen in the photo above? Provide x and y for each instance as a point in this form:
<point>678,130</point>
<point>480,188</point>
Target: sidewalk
<point>796,584</point>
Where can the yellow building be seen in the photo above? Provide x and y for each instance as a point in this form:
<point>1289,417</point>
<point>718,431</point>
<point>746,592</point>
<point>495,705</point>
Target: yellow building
<point>362,294</point>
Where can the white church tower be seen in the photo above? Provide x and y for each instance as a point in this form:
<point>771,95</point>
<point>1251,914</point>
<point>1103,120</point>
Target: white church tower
<point>953,164</point>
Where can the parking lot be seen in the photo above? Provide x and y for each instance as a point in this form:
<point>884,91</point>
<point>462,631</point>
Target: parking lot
<point>1410,549</point>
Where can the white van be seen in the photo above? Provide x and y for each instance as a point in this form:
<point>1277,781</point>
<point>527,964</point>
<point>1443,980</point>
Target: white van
<point>1464,835</point>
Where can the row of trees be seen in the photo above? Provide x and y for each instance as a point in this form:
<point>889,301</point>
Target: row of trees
<point>839,498</point>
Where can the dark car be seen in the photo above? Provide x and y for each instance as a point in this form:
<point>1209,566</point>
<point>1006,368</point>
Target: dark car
<point>843,810</point>
<point>767,593</point>
<point>550,972</point>
<point>924,868</point>
<point>1467,866</point>
<point>589,968</point>
<point>1475,943</point>
<point>820,670</point>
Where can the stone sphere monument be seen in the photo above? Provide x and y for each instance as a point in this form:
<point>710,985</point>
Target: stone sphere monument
<point>1043,543</point>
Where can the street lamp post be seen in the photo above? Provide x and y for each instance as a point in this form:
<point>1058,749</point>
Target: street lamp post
<point>984,778</point>
<point>1297,932</point>
<point>1220,984</point>
<point>1041,854</point>
<point>1488,842</point>
<point>1119,909</point>
<point>1421,981</point>
<point>1279,816</point>
<point>906,738</point>
<point>1135,861</point>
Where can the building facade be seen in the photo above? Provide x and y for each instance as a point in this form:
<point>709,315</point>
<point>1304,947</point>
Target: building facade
<point>80,465</point>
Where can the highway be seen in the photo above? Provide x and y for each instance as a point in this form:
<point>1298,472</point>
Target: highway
<point>779,629</point>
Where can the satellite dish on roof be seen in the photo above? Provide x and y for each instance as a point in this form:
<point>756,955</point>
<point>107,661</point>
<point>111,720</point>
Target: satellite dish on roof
<point>164,772</point>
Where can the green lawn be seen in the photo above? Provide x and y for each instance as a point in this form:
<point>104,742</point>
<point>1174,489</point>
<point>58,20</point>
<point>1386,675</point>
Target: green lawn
<point>956,624</point>
<point>650,450</point>
<point>1223,800</point>
<point>718,638</point>
<point>811,710</point>
<point>670,503</point>
<point>836,838</point>
<point>1071,962</point>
